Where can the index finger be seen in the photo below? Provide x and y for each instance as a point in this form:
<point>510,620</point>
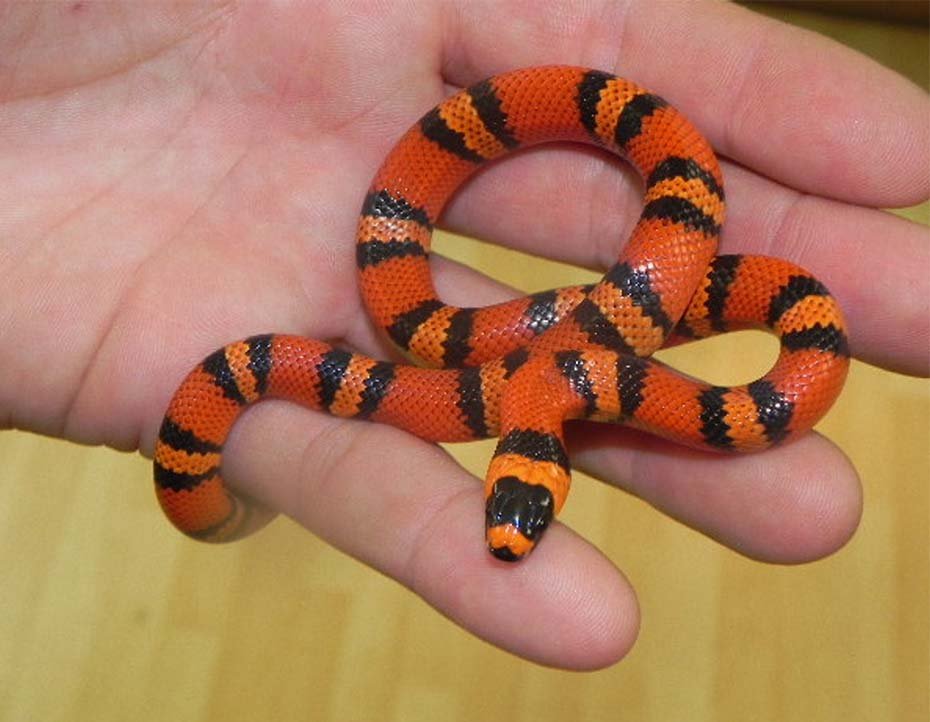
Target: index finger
<point>411,512</point>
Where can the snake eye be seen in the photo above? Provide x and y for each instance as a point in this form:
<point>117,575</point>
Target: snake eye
<point>516,516</point>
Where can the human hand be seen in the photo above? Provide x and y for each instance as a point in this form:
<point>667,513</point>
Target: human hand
<point>195,177</point>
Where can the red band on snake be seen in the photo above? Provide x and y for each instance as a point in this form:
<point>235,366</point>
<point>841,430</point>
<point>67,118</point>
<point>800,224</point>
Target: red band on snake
<point>520,369</point>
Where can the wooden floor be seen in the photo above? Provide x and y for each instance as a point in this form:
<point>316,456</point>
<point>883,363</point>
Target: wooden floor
<point>107,614</point>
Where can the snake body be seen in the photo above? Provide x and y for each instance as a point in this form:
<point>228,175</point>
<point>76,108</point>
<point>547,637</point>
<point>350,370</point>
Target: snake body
<point>519,369</point>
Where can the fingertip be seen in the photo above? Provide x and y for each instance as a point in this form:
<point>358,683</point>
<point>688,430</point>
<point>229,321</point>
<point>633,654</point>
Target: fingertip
<point>564,606</point>
<point>816,504</point>
<point>791,504</point>
<point>601,614</point>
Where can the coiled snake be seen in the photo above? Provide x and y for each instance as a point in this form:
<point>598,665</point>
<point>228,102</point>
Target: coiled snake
<point>518,370</point>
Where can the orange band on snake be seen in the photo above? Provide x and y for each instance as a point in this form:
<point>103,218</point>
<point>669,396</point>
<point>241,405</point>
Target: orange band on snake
<point>518,370</point>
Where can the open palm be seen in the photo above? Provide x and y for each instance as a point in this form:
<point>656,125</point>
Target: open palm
<point>174,180</point>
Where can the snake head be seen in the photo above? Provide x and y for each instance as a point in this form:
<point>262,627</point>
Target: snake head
<point>516,516</point>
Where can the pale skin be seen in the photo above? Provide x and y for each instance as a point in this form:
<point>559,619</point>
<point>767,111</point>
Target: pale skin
<point>178,178</point>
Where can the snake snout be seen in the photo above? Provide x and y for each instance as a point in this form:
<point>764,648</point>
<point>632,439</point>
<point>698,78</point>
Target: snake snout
<point>516,516</point>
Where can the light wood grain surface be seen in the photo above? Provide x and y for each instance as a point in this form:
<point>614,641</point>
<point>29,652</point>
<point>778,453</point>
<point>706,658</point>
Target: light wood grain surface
<point>108,614</point>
